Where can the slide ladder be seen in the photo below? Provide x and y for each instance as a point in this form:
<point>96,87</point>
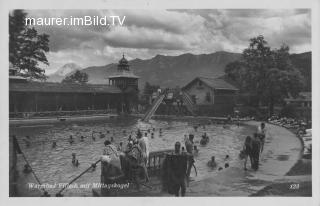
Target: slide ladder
<point>153,107</point>
<point>188,102</point>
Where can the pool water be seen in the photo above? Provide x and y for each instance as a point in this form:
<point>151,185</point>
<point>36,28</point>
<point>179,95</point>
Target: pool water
<point>53,165</point>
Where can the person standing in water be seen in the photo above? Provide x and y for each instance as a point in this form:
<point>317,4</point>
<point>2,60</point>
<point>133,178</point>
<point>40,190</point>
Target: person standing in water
<point>247,151</point>
<point>143,145</point>
<point>255,151</point>
<point>180,180</point>
<point>189,148</point>
<point>212,163</point>
<point>146,140</point>
<point>262,135</point>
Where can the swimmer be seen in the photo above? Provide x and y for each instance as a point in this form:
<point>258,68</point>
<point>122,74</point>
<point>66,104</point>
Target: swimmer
<point>107,132</point>
<point>82,138</point>
<point>93,166</point>
<point>220,168</point>
<point>226,165</point>
<point>227,157</point>
<point>27,168</point>
<point>75,162</point>
<point>54,144</point>
<point>212,163</point>
<point>205,139</point>
<point>152,135</point>
<point>102,135</point>
<point>71,139</point>
<point>195,128</point>
<point>111,139</point>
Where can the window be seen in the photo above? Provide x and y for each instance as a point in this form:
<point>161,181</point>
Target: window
<point>208,97</point>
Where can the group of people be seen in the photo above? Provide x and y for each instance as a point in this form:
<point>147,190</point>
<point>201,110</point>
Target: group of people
<point>213,163</point>
<point>136,152</point>
<point>253,147</point>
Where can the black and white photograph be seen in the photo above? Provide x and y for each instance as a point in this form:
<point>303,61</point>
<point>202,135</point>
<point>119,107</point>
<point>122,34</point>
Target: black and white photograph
<point>160,102</point>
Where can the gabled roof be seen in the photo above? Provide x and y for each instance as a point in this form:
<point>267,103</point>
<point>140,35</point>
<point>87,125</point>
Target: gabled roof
<point>214,83</point>
<point>48,87</point>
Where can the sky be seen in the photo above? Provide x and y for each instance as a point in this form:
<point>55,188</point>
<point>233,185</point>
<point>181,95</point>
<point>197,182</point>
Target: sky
<point>146,33</point>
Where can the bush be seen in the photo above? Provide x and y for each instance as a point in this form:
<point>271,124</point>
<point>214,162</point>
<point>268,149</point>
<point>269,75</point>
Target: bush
<point>288,111</point>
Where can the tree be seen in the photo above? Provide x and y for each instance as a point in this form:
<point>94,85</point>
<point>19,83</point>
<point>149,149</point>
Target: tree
<point>27,48</point>
<point>149,89</point>
<point>265,73</point>
<point>77,78</point>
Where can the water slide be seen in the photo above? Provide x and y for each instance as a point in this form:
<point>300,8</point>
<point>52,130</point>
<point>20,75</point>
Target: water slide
<point>153,107</point>
<point>188,102</point>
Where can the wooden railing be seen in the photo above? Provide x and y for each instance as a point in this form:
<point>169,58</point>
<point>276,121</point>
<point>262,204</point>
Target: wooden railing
<point>27,115</point>
<point>155,161</point>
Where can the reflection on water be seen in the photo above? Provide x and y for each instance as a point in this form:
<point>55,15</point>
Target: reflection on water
<point>53,165</point>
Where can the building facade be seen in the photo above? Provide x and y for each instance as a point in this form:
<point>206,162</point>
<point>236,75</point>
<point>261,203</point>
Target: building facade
<point>127,82</point>
<point>302,105</point>
<point>212,96</point>
<point>29,96</point>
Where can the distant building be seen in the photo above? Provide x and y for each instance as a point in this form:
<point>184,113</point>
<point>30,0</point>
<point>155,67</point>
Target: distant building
<point>304,99</point>
<point>127,82</point>
<point>212,96</point>
<point>302,104</point>
<point>124,78</point>
<point>31,96</point>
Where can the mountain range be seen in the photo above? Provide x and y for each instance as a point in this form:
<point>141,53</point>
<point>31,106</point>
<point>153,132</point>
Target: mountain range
<point>171,71</point>
<point>64,71</point>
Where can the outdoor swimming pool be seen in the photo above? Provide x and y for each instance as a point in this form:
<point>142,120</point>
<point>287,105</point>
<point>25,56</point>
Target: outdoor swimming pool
<point>53,165</point>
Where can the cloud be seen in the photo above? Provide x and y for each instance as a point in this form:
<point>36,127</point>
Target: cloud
<point>147,33</point>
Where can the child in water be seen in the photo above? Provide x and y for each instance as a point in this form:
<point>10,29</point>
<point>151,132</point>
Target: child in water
<point>212,163</point>
<point>102,135</point>
<point>71,139</point>
<point>75,162</point>
<point>82,138</point>
<point>195,150</point>
<point>54,144</point>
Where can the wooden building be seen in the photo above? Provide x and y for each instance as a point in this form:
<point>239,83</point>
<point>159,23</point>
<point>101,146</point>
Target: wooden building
<point>212,96</point>
<point>32,96</point>
<point>127,82</point>
<point>301,104</point>
<point>45,96</point>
